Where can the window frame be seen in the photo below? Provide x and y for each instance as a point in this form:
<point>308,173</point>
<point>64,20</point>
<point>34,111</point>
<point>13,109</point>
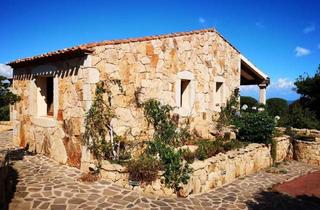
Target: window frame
<point>185,110</point>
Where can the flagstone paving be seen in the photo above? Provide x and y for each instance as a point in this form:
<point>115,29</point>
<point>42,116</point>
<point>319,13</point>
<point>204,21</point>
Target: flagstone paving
<point>44,184</point>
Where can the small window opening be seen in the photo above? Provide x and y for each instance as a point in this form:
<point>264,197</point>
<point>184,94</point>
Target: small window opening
<point>44,96</point>
<point>219,93</point>
<point>185,93</point>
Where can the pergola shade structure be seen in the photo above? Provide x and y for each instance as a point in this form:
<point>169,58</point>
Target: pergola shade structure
<point>251,75</point>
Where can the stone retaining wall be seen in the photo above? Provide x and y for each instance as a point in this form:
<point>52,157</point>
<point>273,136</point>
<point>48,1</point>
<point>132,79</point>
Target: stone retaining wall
<point>302,132</point>
<point>307,132</point>
<point>284,148</point>
<point>308,152</point>
<point>5,125</point>
<point>304,151</point>
<point>224,168</point>
<point>210,173</point>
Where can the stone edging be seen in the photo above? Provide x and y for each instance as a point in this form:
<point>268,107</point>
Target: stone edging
<point>307,152</point>
<point>213,172</point>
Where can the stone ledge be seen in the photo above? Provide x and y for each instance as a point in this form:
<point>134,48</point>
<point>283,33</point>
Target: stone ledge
<point>307,152</point>
<point>45,122</point>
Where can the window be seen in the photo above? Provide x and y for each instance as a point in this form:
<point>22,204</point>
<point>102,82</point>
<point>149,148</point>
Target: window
<point>219,93</point>
<point>185,93</point>
<point>44,96</point>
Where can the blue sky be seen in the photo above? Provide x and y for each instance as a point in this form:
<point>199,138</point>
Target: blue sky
<point>282,38</point>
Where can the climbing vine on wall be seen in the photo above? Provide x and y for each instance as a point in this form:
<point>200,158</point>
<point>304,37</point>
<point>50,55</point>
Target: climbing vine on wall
<point>99,136</point>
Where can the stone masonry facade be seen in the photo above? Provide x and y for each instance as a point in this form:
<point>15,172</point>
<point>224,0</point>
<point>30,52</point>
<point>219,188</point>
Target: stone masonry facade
<point>160,67</point>
<point>58,136</point>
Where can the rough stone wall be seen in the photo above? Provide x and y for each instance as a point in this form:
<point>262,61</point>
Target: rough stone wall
<point>307,132</point>
<point>284,149</point>
<point>145,69</point>
<point>59,136</point>
<point>5,125</point>
<point>307,152</point>
<point>150,69</point>
<point>224,168</point>
<point>301,132</point>
<point>210,173</point>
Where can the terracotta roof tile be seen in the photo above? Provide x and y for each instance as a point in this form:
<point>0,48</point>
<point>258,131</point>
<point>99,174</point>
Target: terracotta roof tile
<point>87,48</point>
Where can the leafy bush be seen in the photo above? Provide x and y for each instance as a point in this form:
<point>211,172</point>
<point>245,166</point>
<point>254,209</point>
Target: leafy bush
<point>5,113</point>
<point>228,112</point>
<point>277,107</point>
<point>300,117</point>
<point>249,101</point>
<point>175,171</point>
<point>308,87</point>
<point>166,137</point>
<point>165,129</point>
<point>234,144</point>
<point>6,98</point>
<point>188,155</point>
<point>207,148</point>
<point>145,169</point>
<point>255,127</point>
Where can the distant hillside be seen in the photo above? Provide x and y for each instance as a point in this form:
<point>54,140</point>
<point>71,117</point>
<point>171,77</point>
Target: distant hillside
<point>290,101</point>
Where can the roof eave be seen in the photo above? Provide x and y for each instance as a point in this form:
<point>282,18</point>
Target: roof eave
<point>255,69</point>
<point>51,57</point>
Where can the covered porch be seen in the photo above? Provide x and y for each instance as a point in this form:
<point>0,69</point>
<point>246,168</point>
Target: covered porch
<point>251,75</point>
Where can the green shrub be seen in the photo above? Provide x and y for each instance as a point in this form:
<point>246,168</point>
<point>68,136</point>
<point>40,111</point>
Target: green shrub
<point>188,155</point>
<point>166,137</point>
<point>6,98</point>
<point>308,87</point>
<point>277,107</point>
<point>228,112</point>
<point>145,169</point>
<point>255,127</point>
<point>5,113</point>
<point>249,101</point>
<point>175,170</point>
<point>166,130</point>
<point>207,148</point>
<point>233,144</point>
<point>300,117</point>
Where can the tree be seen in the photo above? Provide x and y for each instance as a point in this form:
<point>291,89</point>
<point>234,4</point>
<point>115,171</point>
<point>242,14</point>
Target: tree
<point>309,89</point>
<point>277,107</point>
<point>248,101</point>
<point>300,117</point>
<point>6,98</point>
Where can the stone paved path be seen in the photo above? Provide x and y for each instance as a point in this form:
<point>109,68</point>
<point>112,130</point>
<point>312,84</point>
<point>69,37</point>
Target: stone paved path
<point>45,184</point>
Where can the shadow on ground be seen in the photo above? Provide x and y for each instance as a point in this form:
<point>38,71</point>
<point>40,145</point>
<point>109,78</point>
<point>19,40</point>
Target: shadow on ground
<point>8,187</point>
<point>267,200</point>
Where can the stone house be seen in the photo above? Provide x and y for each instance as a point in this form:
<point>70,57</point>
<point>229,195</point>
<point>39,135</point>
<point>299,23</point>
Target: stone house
<point>195,72</point>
